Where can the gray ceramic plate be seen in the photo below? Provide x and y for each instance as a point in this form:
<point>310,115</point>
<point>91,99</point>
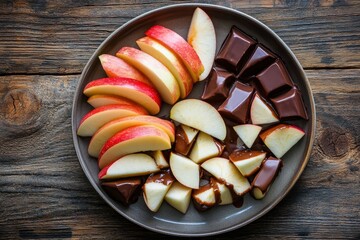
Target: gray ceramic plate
<point>222,218</point>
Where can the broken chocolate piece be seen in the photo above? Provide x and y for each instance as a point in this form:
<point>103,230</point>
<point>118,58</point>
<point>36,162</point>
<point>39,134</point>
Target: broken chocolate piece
<point>125,191</point>
<point>259,60</point>
<point>236,106</point>
<point>290,104</point>
<point>235,50</point>
<point>218,85</point>
<point>265,177</point>
<point>274,79</point>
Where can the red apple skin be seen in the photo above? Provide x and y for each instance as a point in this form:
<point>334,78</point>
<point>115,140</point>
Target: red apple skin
<point>266,133</point>
<point>116,67</point>
<point>117,99</point>
<point>180,47</point>
<point>132,133</point>
<point>103,171</point>
<point>127,83</point>
<point>135,108</point>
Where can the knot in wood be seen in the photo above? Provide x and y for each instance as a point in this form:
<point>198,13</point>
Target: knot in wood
<point>20,111</point>
<point>334,142</point>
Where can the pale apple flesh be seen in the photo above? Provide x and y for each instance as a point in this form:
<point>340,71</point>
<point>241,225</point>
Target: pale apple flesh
<point>202,38</point>
<point>116,67</point>
<point>137,91</point>
<point>138,164</point>
<point>225,194</point>
<point>248,162</point>
<point>205,147</point>
<point>159,75</point>
<point>281,138</point>
<point>180,47</point>
<point>196,114</point>
<point>205,197</point>
<point>261,113</point>
<point>247,133</point>
<point>98,117</point>
<point>179,197</point>
<point>185,171</point>
<point>132,140</point>
<point>111,128</point>
<point>160,159</point>
<point>170,60</point>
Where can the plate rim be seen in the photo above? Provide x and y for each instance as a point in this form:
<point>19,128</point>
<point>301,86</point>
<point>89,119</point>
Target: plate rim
<point>312,130</point>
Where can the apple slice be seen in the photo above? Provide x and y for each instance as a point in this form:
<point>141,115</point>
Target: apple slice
<point>225,193</point>
<point>225,171</point>
<point>137,91</point>
<point>280,138</point>
<point>205,197</point>
<point>180,47</point>
<point>247,133</point>
<point>103,100</point>
<point>159,75</point>
<point>205,147</point>
<point>261,113</point>
<point>247,161</point>
<point>116,67</point>
<point>185,171</point>
<point>179,197</point>
<point>160,159</point>
<point>98,117</point>
<point>111,128</point>
<point>170,60</point>
<point>131,140</point>
<point>184,139</point>
<point>138,164</point>
<point>199,115</point>
<point>155,189</point>
<point>202,38</point>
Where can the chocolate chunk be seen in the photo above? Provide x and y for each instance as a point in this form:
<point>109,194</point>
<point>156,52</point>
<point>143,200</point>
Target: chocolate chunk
<point>264,178</point>
<point>165,177</point>
<point>235,50</point>
<point>274,79</point>
<point>259,60</point>
<point>218,85</point>
<point>125,191</point>
<point>290,104</point>
<point>236,106</point>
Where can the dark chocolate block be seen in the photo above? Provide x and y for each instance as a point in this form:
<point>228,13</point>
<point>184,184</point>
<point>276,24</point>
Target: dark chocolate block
<point>260,59</point>
<point>236,106</point>
<point>218,86</point>
<point>125,190</point>
<point>274,79</point>
<point>235,50</point>
<point>290,104</point>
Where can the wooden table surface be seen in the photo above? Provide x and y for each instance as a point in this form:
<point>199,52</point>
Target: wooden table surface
<point>44,46</point>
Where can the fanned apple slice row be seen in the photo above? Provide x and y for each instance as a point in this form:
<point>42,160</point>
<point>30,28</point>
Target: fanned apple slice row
<point>132,140</point>
<point>103,100</point>
<point>202,38</point>
<point>111,128</point>
<point>225,171</point>
<point>98,117</point>
<point>137,91</point>
<point>159,75</point>
<point>180,47</point>
<point>131,165</point>
<point>116,67</point>
<point>170,60</point>
<point>281,138</point>
<point>199,115</point>
<point>185,171</point>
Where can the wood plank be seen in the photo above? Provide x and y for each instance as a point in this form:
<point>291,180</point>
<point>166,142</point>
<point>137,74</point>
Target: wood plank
<point>44,194</point>
<point>51,37</point>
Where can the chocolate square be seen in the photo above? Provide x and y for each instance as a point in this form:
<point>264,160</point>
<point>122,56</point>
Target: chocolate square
<point>218,85</point>
<point>125,191</point>
<point>260,59</point>
<point>235,50</point>
<point>236,106</point>
<point>274,79</point>
<point>267,174</point>
<point>290,104</point>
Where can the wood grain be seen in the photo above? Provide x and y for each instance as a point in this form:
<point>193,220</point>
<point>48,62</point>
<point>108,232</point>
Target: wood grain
<point>44,46</point>
<point>58,37</point>
<point>44,193</point>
